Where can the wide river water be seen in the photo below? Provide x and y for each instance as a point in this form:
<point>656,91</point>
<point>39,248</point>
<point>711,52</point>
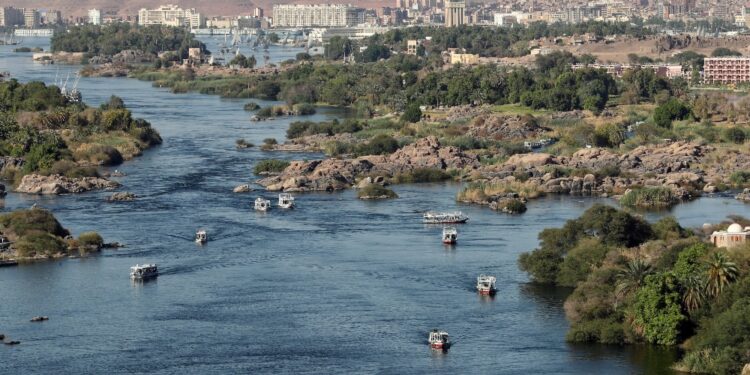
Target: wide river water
<point>336,286</point>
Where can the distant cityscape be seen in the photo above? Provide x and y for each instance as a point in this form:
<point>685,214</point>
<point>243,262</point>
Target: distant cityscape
<point>402,12</point>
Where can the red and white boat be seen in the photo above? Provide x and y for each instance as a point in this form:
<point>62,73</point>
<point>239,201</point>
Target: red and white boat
<point>450,235</point>
<point>438,339</point>
<point>486,285</point>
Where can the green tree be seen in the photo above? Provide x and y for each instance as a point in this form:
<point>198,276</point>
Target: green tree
<point>720,272</point>
<point>412,113</point>
<point>632,277</point>
<point>657,311</point>
<point>672,110</point>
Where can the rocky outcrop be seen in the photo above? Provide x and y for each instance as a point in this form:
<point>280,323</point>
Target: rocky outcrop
<point>57,184</point>
<point>122,197</point>
<point>337,174</point>
<point>526,161</point>
<point>505,127</point>
<point>244,188</point>
<point>743,196</point>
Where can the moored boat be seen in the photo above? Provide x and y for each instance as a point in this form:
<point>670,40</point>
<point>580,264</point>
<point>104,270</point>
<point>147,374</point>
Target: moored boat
<point>444,218</point>
<point>286,200</point>
<point>143,271</point>
<point>450,235</point>
<point>262,204</point>
<point>438,339</point>
<point>486,285</point>
<point>201,237</point>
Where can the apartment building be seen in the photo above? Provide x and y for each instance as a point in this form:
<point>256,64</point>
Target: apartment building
<point>31,18</point>
<point>726,70</point>
<point>454,13</point>
<point>10,17</point>
<point>322,15</point>
<point>171,15</point>
<point>95,16</point>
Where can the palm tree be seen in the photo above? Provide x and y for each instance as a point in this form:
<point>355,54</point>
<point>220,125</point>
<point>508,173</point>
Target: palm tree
<point>721,272</point>
<point>693,293</point>
<point>630,278</point>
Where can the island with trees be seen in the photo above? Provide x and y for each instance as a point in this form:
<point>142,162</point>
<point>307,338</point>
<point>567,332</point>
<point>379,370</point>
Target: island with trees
<point>51,143</point>
<point>651,283</point>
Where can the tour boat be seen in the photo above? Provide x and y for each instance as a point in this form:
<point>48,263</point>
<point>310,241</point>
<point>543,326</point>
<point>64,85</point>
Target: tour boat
<point>450,235</point>
<point>439,339</point>
<point>486,285</point>
<point>143,271</point>
<point>445,218</point>
<point>286,200</point>
<point>201,236</point>
<point>262,204</point>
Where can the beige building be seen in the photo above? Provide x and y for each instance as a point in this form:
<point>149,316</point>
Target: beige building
<point>31,18</point>
<point>463,58</point>
<point>454,12</point>
<point>734,236</point>
<point>322,15</point>
<point>726,70</point>
<point>171,15</point>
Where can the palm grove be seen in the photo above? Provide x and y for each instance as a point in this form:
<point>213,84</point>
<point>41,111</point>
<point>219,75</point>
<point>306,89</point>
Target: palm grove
<point>637,282</point>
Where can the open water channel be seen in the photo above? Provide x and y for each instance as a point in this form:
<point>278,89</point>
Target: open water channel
<point>335,286</point>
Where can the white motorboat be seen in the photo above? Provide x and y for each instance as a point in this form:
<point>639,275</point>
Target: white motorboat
<point>445,218</point>
<point>201,236</point>
<point>262,204</point>
<point>438,339</point>
<point>450,235</point>
<point>486,285</point>
<point>143,271</point>
<point>286,200</point>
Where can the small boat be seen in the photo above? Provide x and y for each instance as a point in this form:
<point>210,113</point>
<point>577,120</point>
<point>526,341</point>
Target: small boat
<point>39,318</point>
<point>8,262</point>
<point>438,339</point>
<point>445,218</point>
<point>486,285</point>
<point>201,236</point>
<point>143,271</point>
<point>263,204</point>
<point>286,200</point>
<point>450,235</point>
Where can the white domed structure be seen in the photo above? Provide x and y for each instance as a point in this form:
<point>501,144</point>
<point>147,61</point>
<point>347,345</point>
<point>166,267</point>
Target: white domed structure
<point>734,228</point>
<point>734,236</point>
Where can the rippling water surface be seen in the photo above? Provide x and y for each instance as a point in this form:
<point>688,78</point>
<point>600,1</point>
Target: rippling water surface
<point>335,286</point>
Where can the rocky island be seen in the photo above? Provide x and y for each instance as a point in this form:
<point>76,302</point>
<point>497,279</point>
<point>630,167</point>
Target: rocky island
<point>52,143</point>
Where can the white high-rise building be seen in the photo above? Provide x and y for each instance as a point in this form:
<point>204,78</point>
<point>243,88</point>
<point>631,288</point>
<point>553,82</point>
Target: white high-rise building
<point>171,15</point>
<point>95,16</point>
<point>31,18</point>
<point>323,15</point>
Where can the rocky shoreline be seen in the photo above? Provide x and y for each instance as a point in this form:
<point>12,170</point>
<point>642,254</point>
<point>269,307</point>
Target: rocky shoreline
<point>688,169</point>
<point>57,184</point>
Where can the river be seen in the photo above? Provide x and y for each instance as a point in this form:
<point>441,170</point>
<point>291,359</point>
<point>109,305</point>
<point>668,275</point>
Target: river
<point>336,286</point>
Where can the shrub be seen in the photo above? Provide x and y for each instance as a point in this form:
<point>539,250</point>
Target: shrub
<point>304,109</point>
<point>649,197</point>
<point>511,206</point>
<point>91,240</point>
<point>375,191</point>
<point>740,178</point>
<point>242,143</point>
<point>672,110</point>
<point>251,106</point>
<point>39,243</point>
<point>412,113</point>
<point>98,154</point>
<point>421,175</point>
<point>270,166</point>
<point>734,135</point>
<point>24,221</point>
<point>606,331</point>
<point>379,145</point>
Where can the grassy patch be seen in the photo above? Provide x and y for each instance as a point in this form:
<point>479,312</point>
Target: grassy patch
<point>270,166</point>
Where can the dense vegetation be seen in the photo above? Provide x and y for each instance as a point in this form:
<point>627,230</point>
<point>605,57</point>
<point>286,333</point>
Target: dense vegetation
<point>270,166</point>
<point>497,41</point>
<point>54,135</point>
<point>114,38</point>
<point>657,283</point>
<point>37,234</point>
